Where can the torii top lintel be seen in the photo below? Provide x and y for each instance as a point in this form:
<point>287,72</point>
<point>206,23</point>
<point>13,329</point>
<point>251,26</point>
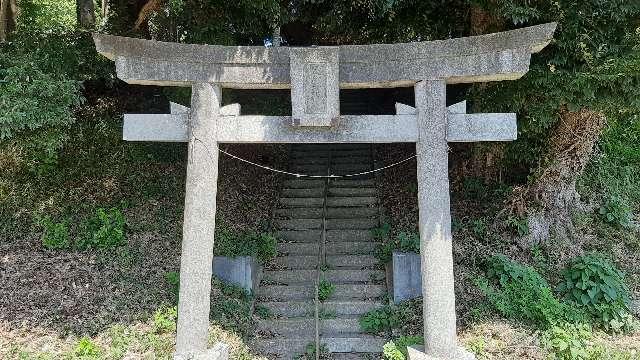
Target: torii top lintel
<point>492,57</point>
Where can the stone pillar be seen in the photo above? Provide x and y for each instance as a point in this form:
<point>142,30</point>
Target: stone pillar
<point>435,225</point>
<point>199,223</point>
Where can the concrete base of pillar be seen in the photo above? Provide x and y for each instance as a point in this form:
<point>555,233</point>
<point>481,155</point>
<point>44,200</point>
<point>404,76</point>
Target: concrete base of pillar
<point>219,351</point>
<point>417,353</point>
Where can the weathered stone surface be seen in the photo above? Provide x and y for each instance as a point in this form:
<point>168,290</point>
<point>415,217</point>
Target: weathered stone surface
<point>407,276</point>
<point>199,223</point>
<point>219,351</point>
<point>481,127</point>
<point>242,271</point>
<point>417,352</point>
<point>434,219</point>
<point>352,128</point>
<point>230,110</point>
<point>491,57</point>
<point>402,109</point>
<point>314,86</point>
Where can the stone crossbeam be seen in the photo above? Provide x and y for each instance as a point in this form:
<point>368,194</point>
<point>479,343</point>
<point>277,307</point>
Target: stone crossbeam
<point>491,57</point>
<point>233,128</point>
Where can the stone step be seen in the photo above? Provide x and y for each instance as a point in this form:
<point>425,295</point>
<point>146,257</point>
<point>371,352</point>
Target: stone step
<point>353,343</point>
<point>355,356</point>
<point>357,191</point>
<point>351,224</point>
<point>304,183</point>
<point>341,169</point>
<point>310,169</point>
<point>352,183</point>
<point>289,277</point>
<point>347,248</point>
<point>308,224</point>
<point>291,327</point>
<point>307,292</point>
<point>352,261</point>
<point>341,276</point>
<point>297,248</point>
<point>302,193</point>
<point>349,235</point>
<point>301,235</point>
<point>285,292</point>
<point>357,291</point>
<point>343,324</point>
<point>353,212</point>
<point>299,213</point>
<point>305,202</point>
<point>284,348</point>
<point>298,262</point>
<point>343,201</point>
<point>305,326</point>
<point>307,308</point>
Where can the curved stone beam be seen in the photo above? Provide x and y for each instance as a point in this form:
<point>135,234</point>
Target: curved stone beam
<point>491,57</point>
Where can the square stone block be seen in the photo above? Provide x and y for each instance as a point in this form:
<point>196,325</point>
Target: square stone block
<point>242,271</point>
<point>407,276</point>
<point>417,352</point>
<point>315,92</point>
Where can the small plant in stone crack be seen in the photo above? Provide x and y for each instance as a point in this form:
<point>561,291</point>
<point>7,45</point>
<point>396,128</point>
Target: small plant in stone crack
<point>325,290</point>
<point>310,352</point>
<point>263,312</point>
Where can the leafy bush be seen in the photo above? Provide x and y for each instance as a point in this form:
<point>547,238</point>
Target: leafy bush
<point>519,225</point>
<point>104,230</point>
<point>380,320</point>
<point>173,279</point>
<point>164,319</point>
<point>403,242</point>
<point>250,243</point>
<point>325,290</point>
<point>397,349</point>
<point>86,349</point>
<point>616,212</point>
<point>56,234</point>
<point>520,292</point>
<point>594,283</point>
<point>568,342</point>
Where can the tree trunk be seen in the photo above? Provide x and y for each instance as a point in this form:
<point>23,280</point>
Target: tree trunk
<point>85,12</point>
<point>105,8</point>
<point>8,18</point>
<point>551,199</point>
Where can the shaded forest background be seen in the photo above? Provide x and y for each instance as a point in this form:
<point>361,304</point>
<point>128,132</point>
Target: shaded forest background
<point>569,186</point>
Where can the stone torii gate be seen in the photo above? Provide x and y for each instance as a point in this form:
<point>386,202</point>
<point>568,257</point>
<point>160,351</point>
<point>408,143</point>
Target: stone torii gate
<point>315,76</point>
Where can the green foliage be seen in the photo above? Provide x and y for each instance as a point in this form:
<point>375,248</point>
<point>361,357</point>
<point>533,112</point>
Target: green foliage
<point>397,349</point>
<point>263,312</point>
<point>56,234</point>
<point>250,243</point>
<point>519,225</point>
<point>592,63</point>
<point>49,15</point>
<point>519,292</point>
<point>173,279</point>
<point>105,230</point>
<point>86,349</point>
<point>616,212</point>
<point>164,320</point>
<point>595,284</point>
<point>310,352</point>
<point>402,242</point>
<point>568,342</point>
<point>325,290</point>
<point>380,320</point>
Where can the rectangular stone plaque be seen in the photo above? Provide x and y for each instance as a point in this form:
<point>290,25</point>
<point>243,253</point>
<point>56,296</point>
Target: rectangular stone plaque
<point>314,86</point>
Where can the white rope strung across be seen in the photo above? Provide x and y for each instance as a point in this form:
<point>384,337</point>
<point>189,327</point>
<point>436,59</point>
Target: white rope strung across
<point>315,176</point>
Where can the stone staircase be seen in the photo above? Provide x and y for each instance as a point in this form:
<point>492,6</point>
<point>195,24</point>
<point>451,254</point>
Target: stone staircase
<point>325,231</point>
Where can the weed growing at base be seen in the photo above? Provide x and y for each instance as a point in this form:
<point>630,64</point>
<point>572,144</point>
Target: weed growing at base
<point>325,290</point>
